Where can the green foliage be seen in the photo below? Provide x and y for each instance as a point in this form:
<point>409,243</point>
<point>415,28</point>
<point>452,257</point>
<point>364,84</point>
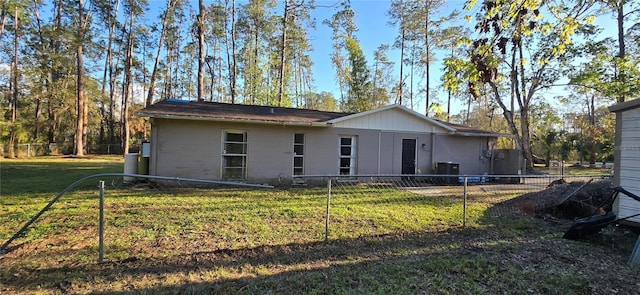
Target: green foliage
<point>359,95</point>
<point>602,71</point>
<point>323,101</point>
<point>436,112</point>
<point>547,139</point>
<point>343,26</point>
<point>382,80</point>
<point>512,53</point>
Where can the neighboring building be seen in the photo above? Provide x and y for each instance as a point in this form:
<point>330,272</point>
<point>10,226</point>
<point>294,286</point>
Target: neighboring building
<point>627,157</point>
<point>263,144</point>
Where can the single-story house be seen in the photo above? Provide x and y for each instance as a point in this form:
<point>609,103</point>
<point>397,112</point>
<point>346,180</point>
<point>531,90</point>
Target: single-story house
<point>265,144</point>
<point>627,157</point>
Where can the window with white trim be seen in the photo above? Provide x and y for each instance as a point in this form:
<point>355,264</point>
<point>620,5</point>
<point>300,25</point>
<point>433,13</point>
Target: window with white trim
<point>348,155</point>
<point>234,155</point>
<point>298,154</point>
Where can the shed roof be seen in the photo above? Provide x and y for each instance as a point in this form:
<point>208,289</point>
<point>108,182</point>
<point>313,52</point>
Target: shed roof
<point>622,106</point>
<point>215,111</point>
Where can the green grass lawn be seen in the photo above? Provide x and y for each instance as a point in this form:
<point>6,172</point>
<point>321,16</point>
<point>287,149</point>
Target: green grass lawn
<point>572,170</point>
<point>254,241</point>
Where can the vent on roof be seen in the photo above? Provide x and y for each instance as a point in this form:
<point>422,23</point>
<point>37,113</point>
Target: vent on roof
<point>177,100</point>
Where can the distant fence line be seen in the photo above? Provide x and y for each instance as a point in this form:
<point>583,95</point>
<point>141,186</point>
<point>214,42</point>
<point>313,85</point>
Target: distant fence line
<point>459,190</point>
<point>27,150</point>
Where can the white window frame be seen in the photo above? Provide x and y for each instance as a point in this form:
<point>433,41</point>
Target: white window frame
<point>296,156</point>
<point>352,156</point>
<point>243,155</point>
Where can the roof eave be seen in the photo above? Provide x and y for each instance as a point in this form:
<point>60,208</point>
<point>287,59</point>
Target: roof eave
<point>482,134</point>
<point>210,119</point>
<point>624,105</point>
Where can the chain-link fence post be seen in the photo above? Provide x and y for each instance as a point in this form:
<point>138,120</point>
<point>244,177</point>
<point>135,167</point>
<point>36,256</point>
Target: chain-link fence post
<point>326,222</point>
<point>464,205</point>
<point>101,224</point>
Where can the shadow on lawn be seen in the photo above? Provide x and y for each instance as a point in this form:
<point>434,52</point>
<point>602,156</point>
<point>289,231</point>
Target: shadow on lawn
<point>292,268</point>
<point>499,258</point>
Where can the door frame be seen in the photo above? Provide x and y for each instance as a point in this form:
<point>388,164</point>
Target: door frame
<point>414,156</point>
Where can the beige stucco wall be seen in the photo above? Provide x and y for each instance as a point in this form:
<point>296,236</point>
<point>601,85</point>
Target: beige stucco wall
<point>190,148</point>
<point>465,150</point>
<point>183,148</point>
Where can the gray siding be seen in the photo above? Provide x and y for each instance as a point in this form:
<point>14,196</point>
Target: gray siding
<point>190,148</point>
<point>628,160</point>
<point>391,152</point>
<point>185,149</point>
<point>467,151</point>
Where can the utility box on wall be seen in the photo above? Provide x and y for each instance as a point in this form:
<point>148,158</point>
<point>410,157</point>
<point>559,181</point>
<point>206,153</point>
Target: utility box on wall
<point>143,161</point>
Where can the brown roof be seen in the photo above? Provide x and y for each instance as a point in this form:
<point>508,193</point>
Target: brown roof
<point>465,130</point>
<point>215,111</point>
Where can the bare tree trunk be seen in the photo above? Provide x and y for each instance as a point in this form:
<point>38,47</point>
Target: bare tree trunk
<point>374,83</point>
<point>234,68</point>
<point>15,78</point>
<point>16,68</point>
<point>36,118</point>
<point>621,45</point>
<point>227,48</point>
<point>108,59</point>
<point>81,127</point>
<point>401,66</point>
<point>231,52</point>
<point>44,77</point>
<point>254,84</point>
<point>108,70</point>
<point>111,128</point>
<point>53,75</point>
<point>220,80</point>
<point>128,86</point>
<point>154,72</point>
<point>592,127</point>
<point>411,71</point>
<point>524,103</point>
<point>426,58</point>
<point>283,56</point>
<point>201,52</point>
<point>3,15</point>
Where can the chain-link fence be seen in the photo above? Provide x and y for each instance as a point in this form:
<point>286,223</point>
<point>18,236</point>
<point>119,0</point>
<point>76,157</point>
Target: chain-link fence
<point>28,150</point>
<point>326,207</point>
<point>379,204</point>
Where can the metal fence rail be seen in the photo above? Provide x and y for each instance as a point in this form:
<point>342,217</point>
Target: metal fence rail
<point>28,150</point>
<point>35,217</point>
<point>371,205</point>
<point>455,194</point>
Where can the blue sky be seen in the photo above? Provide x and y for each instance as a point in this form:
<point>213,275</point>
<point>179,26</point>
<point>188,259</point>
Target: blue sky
<point>373,30</point>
